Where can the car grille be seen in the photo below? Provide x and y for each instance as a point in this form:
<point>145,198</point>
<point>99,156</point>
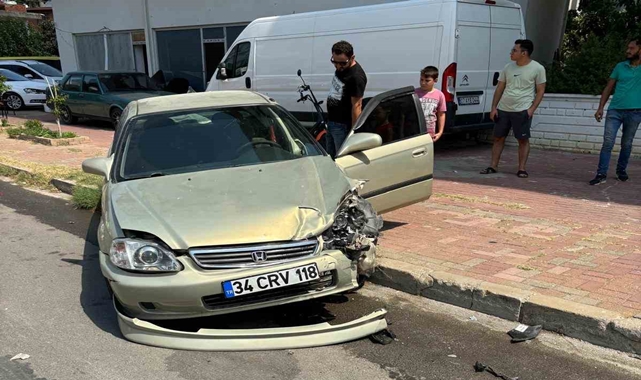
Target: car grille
<point>218,301</point>
<point>253,255</point>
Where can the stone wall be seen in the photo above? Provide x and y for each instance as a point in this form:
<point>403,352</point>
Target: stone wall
<point>566,122</point>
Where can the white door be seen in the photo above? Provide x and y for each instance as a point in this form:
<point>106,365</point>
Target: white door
<point>238,67</point>
<point>506,28</point>
<point>473,57</point>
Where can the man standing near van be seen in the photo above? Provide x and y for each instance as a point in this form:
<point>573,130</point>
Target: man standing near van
<point>519,92</point>
<point>625,109</point>
<point>345,99</point>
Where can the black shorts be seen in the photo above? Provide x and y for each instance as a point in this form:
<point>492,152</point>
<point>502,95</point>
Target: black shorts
<point>519,122</point>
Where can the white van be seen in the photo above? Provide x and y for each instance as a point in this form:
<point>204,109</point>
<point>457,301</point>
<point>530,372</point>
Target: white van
<point>468,40</point>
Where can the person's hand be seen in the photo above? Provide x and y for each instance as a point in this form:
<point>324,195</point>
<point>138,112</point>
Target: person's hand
<point>599,115</point>
<point>494,114</point>
<point>530,113</point>
<point>437,136</point>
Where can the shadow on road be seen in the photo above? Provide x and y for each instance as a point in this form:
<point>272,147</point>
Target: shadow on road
<point>95,298</point>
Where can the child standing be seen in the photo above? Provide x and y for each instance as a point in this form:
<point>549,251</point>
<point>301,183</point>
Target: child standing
<point>433,102</point>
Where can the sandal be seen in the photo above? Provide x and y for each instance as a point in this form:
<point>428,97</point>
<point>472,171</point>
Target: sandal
<point>522,174</point>
<point>488,170</point>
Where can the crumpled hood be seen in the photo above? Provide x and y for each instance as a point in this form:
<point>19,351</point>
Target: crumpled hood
<point>282,201</point>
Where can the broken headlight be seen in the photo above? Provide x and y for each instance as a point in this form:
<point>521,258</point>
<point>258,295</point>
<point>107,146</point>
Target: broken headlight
<point>356,227</point>
<point>142,256</point>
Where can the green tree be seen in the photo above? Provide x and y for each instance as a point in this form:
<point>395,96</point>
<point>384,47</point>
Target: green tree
<point>49,41</point>
<point>595,41</point>
<point>18,38</point>
<point>30,3</point>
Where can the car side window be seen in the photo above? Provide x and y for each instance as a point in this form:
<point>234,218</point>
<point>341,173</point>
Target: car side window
<point>237,61</point>
<point>90,84</point>
<point>74,83</point>
<point>24,71</point>
<point>394,119</point>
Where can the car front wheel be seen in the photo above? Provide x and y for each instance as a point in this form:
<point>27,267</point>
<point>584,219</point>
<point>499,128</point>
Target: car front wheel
<point>13,101</point>
<point>115,117</point>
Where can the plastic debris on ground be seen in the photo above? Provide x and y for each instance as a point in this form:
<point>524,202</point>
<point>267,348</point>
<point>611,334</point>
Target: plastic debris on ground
<point>20,356</point>
<point>473,318</point>
<point>480,367</point>
<point>451,356</point>
<point>521,333</point>
<point>383,337</point>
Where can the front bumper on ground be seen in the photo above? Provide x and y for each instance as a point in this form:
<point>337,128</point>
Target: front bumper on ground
<point>321,334</point>
<point>195,292</point>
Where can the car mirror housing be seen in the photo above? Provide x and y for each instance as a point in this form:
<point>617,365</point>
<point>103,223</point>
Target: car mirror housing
<point>359,142</point>
<point>98,166</point>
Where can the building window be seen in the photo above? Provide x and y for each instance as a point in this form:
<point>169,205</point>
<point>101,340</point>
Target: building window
<point>111,51</point>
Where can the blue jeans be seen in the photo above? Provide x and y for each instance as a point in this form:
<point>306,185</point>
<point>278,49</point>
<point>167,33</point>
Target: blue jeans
<point>630,119</point>
<point>336,136</point>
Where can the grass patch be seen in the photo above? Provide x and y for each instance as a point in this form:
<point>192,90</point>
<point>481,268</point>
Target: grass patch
<point>86,197</point>
<point>41,176</point>
<point>35,128</point>
<point>525,268</point>
<point>467,199</point>
<point>4,123</point>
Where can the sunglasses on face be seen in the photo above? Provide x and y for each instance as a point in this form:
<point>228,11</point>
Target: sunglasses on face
<point>339,63</point>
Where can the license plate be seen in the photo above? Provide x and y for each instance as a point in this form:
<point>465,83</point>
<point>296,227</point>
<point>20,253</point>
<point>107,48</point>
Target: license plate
<point>469,100</point>
<point>268,281</point>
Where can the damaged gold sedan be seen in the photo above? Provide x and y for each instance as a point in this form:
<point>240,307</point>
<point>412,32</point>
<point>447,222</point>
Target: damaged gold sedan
<point>221,202</point>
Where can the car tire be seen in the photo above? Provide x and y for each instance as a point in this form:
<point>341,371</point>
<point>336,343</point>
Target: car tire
<point>13,101</point>
<point>114,115</point>
<point>67,117</point>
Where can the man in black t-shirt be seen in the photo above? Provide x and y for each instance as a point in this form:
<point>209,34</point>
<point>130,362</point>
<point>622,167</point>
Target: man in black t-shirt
<point>345,99</point>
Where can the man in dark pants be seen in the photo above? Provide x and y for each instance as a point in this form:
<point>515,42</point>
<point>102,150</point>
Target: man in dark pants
<point>519,92</point>
<point>625,109</point>
<point>345,99</point>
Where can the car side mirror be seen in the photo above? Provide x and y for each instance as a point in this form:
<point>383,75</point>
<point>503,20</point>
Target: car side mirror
<point>28,76</point>
<point>359,142</point>
<point>93,89</point>
<point>98,166</point>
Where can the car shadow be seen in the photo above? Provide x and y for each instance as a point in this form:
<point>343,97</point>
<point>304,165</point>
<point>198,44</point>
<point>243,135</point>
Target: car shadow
<point>94,297</point>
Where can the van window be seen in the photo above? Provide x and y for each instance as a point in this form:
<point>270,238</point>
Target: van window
<point>74,83</point>
<point>394,120</point>
<point>237,61</point>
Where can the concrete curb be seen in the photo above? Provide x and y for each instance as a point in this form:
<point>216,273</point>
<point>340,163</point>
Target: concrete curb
<point>591,324</point>
<point>65,186</point>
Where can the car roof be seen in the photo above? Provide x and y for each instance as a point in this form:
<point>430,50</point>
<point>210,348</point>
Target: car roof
<point>12,62</point>
<point>198,100</point>
<point>84,72</point>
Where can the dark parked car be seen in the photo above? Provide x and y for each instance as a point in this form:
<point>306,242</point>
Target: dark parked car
<point>103,95</point>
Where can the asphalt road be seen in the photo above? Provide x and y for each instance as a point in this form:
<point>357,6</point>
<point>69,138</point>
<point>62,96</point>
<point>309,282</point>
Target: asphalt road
<point>54,307</point>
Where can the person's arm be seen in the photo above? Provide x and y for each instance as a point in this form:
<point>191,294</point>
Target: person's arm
<point>605,95</point>
<point>440,125</point>
<point>357,108</point>
<point>540,91</point>
<point>498,94</point>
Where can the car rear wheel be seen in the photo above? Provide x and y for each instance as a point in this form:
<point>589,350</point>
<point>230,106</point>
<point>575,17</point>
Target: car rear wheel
<point>114,115</point>
<point>66,116</point>
<point>13,101</point>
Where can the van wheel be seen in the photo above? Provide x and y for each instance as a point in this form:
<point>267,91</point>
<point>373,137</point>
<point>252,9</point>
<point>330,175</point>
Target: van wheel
<point>67,117</point>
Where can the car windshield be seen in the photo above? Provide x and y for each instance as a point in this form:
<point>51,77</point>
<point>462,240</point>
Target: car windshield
<point>45,69</point>
<point>195,140</point>
<point>125,82</point>
<point>11,76</point>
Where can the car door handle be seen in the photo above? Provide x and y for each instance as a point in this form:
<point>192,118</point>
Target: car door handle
<point>419,153</point>
<point>81,95</point>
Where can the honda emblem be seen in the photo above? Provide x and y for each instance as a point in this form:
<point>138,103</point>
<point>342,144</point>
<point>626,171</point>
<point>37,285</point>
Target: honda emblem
<point>259,256</point>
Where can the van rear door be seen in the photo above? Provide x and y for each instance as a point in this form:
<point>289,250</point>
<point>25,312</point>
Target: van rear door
<point>472,58</point>
<point>507,27</point>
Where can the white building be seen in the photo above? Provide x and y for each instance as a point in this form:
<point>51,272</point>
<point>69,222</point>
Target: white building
<point>191,36</point>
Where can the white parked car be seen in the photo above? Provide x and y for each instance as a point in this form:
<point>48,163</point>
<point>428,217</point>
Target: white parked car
<point>33,70</point>
<point>23,92</point>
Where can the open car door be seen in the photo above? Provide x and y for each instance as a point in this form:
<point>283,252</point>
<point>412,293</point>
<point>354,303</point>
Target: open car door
<point>399,167</point>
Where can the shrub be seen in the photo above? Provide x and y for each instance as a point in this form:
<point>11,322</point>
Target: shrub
<point>5,122</point>
<point>86,197</point>
<point>36,129</point>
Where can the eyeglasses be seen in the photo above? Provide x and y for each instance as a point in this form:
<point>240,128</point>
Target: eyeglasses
<point>340,63</point>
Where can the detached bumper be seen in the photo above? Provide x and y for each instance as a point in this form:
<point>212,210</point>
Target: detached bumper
<point>321,334</point>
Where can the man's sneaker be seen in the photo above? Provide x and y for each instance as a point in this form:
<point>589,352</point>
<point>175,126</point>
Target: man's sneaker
<point>622,176</point>
<point>599,179</point>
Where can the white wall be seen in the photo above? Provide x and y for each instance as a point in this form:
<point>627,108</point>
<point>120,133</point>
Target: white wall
<point>566,122</point>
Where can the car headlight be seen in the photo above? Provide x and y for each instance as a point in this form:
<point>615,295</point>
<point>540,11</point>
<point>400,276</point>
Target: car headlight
<point>33,91</point>
<point>142,256</point>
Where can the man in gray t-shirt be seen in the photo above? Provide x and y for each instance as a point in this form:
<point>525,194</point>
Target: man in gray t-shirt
<point>519,92</point>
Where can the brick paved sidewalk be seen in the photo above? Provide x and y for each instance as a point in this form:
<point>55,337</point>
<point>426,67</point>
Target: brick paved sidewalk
<point>100,134</point>
<point>551,233</point>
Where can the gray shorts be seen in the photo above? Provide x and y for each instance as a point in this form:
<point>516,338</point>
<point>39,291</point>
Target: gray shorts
<point>519,122</point>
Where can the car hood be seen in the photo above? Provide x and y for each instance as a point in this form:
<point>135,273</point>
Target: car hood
<point>21,85</point>
<point>283,201</point>
<point>130,96</point>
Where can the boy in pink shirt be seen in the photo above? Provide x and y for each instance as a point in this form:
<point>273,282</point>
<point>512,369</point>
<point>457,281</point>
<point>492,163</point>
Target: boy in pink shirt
<point>433,102</point>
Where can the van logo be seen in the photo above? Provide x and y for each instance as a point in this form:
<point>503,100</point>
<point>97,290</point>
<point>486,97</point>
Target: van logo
<point>466,81</point>
<point>259,256</point>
